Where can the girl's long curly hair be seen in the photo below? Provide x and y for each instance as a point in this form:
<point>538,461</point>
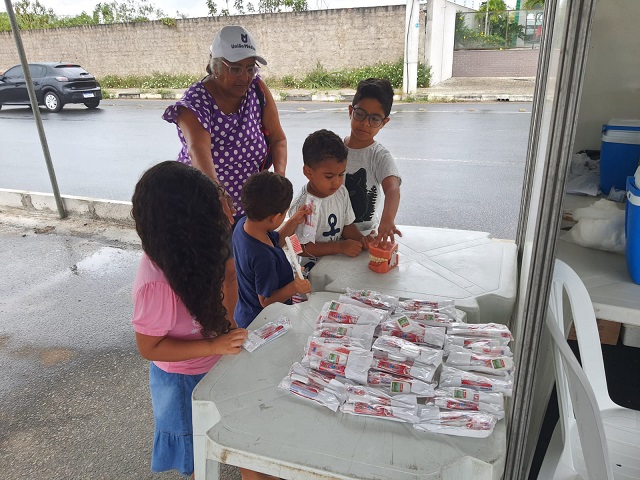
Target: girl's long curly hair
<point>184,230</point>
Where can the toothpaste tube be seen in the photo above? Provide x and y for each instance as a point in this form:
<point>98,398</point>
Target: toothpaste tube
<point>267,333</point>
<point>394,385</point>
<point>453,377</point>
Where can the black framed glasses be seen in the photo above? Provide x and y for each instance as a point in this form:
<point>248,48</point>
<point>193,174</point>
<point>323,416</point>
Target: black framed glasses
<point>361,114</point>
<point>236,70</point>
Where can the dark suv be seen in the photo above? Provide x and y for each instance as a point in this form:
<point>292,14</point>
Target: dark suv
<point>56,84</point>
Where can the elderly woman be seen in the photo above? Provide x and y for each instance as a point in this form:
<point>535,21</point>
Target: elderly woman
<point>221,123</point>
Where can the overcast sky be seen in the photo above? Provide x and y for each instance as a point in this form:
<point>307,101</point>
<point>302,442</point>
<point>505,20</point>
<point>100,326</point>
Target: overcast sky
<point>198,8</point>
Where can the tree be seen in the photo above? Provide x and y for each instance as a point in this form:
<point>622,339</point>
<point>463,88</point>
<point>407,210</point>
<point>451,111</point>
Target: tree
<point>533,4</point>
<point>263,6</point>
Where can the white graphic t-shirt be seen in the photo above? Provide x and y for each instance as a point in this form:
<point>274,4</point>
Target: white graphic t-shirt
<point>334,213</point>
<point>366,169</point>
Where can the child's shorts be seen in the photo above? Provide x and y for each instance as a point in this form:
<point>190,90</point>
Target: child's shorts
<point>173,435</point>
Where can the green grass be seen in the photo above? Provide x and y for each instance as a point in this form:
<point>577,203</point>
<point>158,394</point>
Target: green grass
<point>317,79</point>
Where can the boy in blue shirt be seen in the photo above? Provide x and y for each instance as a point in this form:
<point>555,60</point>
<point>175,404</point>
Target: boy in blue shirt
<point>370,166</point>
<point>264,273</point>
<point>325,161</point>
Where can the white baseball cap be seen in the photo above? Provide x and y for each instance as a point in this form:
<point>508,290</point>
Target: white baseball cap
<point>235,43</point>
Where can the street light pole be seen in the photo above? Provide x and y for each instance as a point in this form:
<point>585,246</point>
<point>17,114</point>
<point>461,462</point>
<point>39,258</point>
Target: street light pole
<point>34,108</point>
<point>412,30</point>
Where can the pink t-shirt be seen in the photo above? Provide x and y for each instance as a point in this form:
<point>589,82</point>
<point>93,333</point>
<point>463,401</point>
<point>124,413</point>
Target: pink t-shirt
<point>159,312</point>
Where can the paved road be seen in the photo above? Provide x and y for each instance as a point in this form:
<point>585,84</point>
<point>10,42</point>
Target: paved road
<point>462,164</point>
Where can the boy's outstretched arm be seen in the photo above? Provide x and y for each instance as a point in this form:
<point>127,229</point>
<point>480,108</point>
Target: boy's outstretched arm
<point>285,293</point>
<point>387,228</point>
<point>351,248</point>
<point>288,228</point>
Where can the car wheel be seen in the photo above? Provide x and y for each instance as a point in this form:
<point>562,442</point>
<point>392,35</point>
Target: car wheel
<point>52,102</point>
<point>92,104</point>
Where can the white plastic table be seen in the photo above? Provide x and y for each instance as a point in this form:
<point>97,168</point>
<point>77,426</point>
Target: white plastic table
<point>477,272</point>
<point>614,295</point>
<point>241,418</point>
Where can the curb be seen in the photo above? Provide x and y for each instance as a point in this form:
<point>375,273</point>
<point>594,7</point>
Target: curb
<point>322,97</point>
<point>113,211</point>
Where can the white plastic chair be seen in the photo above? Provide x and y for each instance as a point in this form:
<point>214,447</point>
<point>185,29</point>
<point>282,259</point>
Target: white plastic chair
<point>601,439</point>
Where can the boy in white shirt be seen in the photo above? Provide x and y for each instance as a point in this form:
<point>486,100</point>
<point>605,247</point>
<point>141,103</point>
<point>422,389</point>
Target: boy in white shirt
<point>325,162</point>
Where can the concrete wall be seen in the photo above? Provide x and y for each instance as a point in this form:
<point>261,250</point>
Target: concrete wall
<point>611,87</point>
<point>292,43</point>
<point>495,63</point>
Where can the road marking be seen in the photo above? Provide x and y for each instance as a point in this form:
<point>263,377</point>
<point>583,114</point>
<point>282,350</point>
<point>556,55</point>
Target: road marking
<point>456,160</point>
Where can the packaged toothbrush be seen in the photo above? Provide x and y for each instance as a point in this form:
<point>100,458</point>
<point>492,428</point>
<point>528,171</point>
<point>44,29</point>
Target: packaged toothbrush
<point>424,335</point>
<point>360,334</point>
<point>491,330</point>
<point>458,423</point>
<point>401,348</point>
<point>454,377</point>
<point>398,414</point>
<point>395,384</point>
<point>405,368</point>
<point>311,220</point>
<point>475,362</point>
<point>371,298</point>
<point>267,333</point>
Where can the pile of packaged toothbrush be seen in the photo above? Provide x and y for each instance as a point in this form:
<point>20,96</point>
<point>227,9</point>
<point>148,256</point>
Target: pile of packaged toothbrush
<point>408,361</point>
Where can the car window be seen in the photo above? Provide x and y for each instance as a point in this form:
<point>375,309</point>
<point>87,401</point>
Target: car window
<point>73,71</point>
<point>37,71</point>
<point>15,72</point>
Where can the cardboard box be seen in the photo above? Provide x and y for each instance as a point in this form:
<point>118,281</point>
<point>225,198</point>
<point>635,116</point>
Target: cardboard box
<point>609,332</point>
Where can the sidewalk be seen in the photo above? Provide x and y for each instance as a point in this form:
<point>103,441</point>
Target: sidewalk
<point>458,89</point>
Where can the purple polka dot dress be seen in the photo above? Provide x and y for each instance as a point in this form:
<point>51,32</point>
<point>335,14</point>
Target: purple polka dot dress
<point>237,143</point>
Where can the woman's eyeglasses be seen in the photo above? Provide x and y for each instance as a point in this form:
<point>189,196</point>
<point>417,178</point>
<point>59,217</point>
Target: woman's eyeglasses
<point>237,71</point>
<point>374,120</point>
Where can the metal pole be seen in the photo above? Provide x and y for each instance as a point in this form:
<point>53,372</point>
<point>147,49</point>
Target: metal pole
<point>34,107</point>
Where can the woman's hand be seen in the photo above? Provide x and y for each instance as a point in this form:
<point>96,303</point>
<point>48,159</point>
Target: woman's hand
<point>229,343</point>
<point>227,205</point>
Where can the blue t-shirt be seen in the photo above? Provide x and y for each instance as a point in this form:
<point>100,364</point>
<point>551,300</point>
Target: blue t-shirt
<point>260,270</point>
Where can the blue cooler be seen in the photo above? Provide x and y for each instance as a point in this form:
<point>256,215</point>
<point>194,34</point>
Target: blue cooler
<point>632,229</point>
<point>620,152</point>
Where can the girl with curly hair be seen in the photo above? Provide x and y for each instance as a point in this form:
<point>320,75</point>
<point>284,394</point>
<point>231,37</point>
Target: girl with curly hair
<point>178,318</point>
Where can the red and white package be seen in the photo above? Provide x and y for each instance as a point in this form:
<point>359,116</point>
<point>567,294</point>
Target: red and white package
<point>458,423</point>
<point>407,368</point>
<point>373,396</point>
<point>362,334</point>
<point>267,333</point>
<point>453,377</point>
<point>371,298</point>
<point>445,307</point>
<point>470,342</point>
<point>403,349</point>
<point>480,330</point>
<point>344,360</point>
<point>428,318</point>
<point>424,335</point>
<point>345,313</point>
<point>395,384</point>
<point>465,359</point>
<point>494,398</point>
<point>398,414</point>
<point>312,385</point>
<point>442,400</point>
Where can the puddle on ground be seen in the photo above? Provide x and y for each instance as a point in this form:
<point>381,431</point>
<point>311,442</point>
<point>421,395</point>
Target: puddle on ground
<point>104,261</point>
<point>48,357</point>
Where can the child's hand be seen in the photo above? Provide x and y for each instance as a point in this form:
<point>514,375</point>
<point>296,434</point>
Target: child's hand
<point>229,343</point>
<point>351,248</point>
<point>301,286</point>
<point>386,231</point>
<point>367,240</point>
<point>299,217</point>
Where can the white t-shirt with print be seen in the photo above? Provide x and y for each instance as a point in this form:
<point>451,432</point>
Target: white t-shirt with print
<point>366,169</point>
<point>334,213</point>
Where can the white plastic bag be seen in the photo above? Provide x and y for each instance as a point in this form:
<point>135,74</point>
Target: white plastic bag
<point>600,226</point>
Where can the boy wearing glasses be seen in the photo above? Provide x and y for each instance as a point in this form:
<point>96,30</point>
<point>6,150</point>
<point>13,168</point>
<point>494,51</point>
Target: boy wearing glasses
<point>370,166</point>
<point>325,161</point>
